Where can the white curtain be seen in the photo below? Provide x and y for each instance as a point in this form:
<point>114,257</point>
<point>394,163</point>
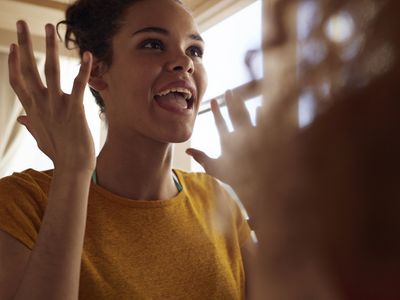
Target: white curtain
<point>11,135</point>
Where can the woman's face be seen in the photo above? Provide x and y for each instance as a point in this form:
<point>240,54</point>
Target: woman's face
<point>157,79</point>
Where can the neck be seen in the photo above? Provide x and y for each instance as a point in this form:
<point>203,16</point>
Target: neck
<point>140,169</point>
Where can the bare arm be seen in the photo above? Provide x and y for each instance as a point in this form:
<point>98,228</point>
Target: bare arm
<point>57,122</point>
<point>248,250</point>
<point>51,270</point>
<point>13,258</point>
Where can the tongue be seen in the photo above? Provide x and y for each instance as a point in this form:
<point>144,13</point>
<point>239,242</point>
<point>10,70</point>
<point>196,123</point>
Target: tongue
<point>172,101</point>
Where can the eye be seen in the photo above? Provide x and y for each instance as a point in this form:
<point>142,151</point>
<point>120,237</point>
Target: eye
<point>152,44</point>
<point>195,51</point>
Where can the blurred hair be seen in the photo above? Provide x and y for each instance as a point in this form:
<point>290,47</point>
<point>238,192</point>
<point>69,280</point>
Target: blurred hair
<point>344,45</point>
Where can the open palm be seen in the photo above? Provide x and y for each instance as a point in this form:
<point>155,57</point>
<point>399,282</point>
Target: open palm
<point>55,119</point>
<point>232,143</point>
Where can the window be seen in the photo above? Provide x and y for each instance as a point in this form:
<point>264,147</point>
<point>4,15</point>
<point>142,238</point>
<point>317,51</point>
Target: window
<point>226,46</point>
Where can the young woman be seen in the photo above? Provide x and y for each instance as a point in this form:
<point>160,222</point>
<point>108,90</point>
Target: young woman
<point>123,225</point>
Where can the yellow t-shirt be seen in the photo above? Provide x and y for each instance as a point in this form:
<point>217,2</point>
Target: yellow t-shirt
<point>187,247</point>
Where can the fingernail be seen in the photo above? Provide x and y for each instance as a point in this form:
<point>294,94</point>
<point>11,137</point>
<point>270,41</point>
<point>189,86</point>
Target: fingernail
<point>20,28</point>
<point>48,30</point>
<point>228,95</point>
<point>85,57</point>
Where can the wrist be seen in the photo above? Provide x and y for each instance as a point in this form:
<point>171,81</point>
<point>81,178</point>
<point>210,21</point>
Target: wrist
<point>81,171</point>
<point>81,167</point>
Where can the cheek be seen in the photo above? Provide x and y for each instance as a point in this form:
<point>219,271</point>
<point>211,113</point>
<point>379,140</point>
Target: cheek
<point>202,80</point>
<point>135,77</point>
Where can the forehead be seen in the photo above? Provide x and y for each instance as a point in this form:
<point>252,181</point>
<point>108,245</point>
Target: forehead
<point>168,14</point>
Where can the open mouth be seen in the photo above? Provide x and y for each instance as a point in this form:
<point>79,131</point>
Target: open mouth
<point>175,99</point>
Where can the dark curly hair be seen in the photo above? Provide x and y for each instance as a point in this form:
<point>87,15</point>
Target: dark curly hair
<point>91,25</point>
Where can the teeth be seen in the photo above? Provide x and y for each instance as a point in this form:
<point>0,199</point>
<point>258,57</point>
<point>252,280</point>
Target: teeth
<point>186,93</point>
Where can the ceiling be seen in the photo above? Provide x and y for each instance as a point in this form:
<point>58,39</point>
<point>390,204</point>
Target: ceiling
<point>198,7</point>
<point>206,13</point>
<point>62,4</point>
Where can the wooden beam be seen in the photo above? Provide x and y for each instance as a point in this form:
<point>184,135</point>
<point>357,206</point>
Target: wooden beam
<point>206,13</point>
<point>209,13</point>
<point>7,37</point>
<point>36,16</point>
<point>46,3</point>
<point>12,10</point>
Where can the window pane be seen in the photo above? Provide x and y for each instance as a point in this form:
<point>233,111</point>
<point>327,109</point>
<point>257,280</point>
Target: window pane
<point>226,46</point>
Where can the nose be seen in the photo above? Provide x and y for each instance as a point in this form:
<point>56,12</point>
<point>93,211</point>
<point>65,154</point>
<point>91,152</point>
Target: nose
<point>180,62</point>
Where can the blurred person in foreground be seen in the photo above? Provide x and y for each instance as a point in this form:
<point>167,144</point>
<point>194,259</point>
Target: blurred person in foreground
<point>324,198</point>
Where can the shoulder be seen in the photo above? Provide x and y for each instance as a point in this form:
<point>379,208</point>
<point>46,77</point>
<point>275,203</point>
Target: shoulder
<point>219,200</point>
<point>28,176</point>
<point>209,189</point>
<point>26,179</point>
<point>203,187</point>
<point>23,201</point>
<point>197,180</point>
<point>26,185</point>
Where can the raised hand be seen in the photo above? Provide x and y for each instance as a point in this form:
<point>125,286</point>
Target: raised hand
<point>55,119</point>
<point>232,143</point>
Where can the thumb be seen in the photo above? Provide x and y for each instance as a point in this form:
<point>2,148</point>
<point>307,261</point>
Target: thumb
<point>203,159</point>
<point>23,120</point>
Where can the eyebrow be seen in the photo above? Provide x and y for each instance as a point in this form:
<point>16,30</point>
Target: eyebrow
<point>163,31</point>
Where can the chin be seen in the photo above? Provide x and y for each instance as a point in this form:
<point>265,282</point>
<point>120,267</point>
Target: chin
<point>178,136</point>
<point>177,133</point>
<point>181,138</point>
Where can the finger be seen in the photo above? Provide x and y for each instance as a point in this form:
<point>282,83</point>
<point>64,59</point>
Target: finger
<point>28,61</point>
<point>219,119</point>
<point>82,78</point>
<point>15,77</point>
<point>238,112</point>
<point>203,159</point>
<point>52,65</point>
<point>23,120</point>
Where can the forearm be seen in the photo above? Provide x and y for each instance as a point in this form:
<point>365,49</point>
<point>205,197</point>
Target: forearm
<point>54,265</point>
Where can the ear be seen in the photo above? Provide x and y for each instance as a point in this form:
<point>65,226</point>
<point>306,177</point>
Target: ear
<point>96,80</point>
